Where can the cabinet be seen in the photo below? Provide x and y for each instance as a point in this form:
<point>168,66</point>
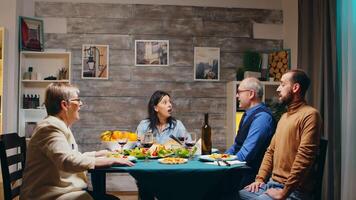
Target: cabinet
<point>55,66</point>
<point>232,112</point>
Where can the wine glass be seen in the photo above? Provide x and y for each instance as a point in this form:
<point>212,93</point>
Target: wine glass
<point>182,136</point>
<point>147,142</point>
<point>122,140</point>
<point>190,140</point>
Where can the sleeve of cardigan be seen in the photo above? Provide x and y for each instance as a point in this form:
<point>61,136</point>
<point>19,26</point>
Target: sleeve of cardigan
<point>56,147</point>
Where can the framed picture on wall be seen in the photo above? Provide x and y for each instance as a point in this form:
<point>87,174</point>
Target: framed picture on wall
<point>31,34</point>
<point>95,61</point>
<point>206,64</point>
<point>151,52</point>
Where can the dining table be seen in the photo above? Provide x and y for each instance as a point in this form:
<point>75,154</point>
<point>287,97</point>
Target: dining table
<point>192,180</point>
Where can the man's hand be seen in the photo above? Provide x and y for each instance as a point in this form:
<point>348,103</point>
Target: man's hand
<point>101,153</point>
<point>253,187</point>
<point>275,193</point>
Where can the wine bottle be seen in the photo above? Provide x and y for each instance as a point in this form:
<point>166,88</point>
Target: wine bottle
<point>206,136</point>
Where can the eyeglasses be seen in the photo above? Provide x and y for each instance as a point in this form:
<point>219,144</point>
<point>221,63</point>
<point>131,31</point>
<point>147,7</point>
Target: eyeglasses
<point>77,100</point>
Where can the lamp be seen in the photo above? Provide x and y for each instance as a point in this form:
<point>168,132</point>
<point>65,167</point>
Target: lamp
<point>91,62</point>
<point>94,65</point>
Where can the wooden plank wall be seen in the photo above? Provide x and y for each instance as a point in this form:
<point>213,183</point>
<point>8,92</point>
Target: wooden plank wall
<point>121,101</point>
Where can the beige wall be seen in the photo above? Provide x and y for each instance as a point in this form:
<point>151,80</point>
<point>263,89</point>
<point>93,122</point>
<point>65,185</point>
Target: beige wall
<point>9,10</point>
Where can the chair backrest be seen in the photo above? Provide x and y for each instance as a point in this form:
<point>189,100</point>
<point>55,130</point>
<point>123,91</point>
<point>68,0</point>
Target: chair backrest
<point>319,168</point>
<point>12,155</point>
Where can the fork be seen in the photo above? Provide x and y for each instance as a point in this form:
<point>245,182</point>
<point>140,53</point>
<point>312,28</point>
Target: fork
<point>218,160</point>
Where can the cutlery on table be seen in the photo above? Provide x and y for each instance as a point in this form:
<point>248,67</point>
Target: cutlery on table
<point>218,160</point>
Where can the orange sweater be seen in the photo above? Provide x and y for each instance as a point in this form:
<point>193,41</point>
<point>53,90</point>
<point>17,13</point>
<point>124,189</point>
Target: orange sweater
<point>293,149</point>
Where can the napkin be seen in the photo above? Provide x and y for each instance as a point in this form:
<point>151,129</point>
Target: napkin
<point>231,162</point>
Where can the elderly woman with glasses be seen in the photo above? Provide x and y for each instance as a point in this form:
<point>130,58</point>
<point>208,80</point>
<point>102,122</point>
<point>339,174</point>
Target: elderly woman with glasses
<point>54,168</point>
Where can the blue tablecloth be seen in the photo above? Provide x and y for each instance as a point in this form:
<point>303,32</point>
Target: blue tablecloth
<point>193,180</point>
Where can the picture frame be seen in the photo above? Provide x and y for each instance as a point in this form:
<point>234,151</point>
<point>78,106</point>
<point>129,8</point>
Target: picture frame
<point>95,61</point>
<point>151,52</point>
<point>279,62</point>
<point>206,64</point>
<point>31,34</point>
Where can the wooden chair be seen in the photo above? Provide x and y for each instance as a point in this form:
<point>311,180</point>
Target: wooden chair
<point>12,155</point>
<point>319,168</point>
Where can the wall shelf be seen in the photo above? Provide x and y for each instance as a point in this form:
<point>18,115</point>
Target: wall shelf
<point>44,64</point>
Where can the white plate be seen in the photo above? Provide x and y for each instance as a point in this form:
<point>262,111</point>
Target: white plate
<point>162,160</point>
<point>131,158</point>
<point>207,158</point>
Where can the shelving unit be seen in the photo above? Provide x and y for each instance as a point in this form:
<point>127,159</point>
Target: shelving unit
<point>44,65</point>
<point>269,88</point>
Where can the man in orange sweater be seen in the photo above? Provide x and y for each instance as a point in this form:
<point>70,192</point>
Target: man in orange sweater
<point>291,154</point>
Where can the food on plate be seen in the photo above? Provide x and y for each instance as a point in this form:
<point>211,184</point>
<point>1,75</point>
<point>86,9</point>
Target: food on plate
<point>159,151</point>
<point>156,151</point>
<point>171,160</point>
<point>185,153</point>
<point>115,155</point>
<point>218,155</point>
<point>139,153</point>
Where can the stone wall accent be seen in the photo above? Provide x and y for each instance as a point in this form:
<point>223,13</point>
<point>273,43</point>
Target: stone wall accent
<point>120,102</point>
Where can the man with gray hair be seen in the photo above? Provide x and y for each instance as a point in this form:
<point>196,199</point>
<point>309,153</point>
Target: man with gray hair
<point>256,127</point>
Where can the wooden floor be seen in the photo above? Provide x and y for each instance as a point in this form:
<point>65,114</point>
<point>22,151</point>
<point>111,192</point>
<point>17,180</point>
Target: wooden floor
<point>125,195</point>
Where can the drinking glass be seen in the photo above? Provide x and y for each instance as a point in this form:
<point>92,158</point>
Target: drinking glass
<point>190,140</point>
<point>182,136</point>
<point>147,142</point>
<point>122,140</point>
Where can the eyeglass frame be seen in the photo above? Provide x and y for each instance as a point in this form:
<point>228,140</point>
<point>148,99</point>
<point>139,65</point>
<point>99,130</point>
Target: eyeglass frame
<point>239,91</point>
<point>77,100</point>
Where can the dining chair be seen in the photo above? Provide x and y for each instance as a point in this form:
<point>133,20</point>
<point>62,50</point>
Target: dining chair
<point>319,168</point>
<point>12,155</point>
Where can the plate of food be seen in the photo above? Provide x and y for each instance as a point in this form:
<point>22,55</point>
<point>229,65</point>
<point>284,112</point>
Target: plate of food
<point>172,161</point>
<point>118,155</point>
<point>139,153</point>
<point>159,151</point>
<point>214,156</point>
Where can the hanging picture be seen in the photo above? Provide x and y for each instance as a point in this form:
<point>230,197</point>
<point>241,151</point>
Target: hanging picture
<point>151,52</point>
<point>206,64</point>
<point>31,34</point>
<point>95,61</point>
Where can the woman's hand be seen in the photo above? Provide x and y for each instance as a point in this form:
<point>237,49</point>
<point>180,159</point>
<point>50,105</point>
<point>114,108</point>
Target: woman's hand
<point>107,162</point>
<point>101,153</point>
<point>254,187</point>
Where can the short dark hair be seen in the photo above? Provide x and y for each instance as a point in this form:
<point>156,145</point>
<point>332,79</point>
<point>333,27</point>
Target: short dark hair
<point>300,77</point>
<point>152,114</point>
<point>55,94</point>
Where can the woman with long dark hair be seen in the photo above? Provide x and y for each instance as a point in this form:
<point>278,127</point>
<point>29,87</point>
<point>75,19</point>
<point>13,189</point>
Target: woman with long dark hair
<point>160,120</point>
